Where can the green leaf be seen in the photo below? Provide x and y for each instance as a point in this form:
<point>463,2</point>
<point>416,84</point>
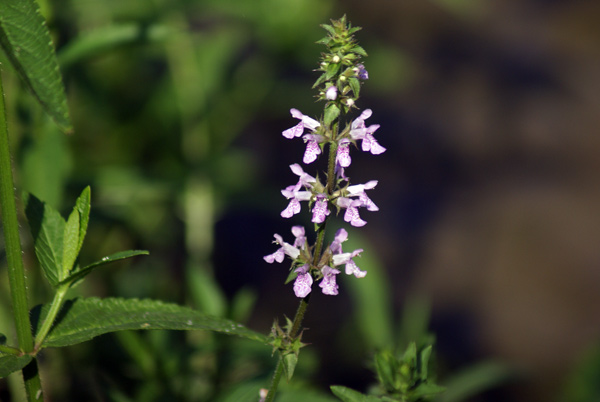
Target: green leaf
<point>425,390</point>
<point>83,319</point>
<point>350,395</point>
<point>332,69</point>
<point>474,380</point>
<point>109,38</point>
<point>83,206</point>
<point>47,229</point>
<point>11,363</point>
<point>354,85</point>
<point>25,38</point>
<point>83,272</point>
<point>70,243</point>
<point>290,361</point>
<point>371,295</point>
<point>331,113</point>
<point>75,230</point>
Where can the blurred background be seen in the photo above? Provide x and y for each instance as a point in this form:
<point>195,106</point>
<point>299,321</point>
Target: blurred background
<point>488,192</point>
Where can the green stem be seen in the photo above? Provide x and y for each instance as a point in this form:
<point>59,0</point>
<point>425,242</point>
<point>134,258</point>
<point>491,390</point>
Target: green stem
<point>57,302</point>
<point>9,350</point>
<point>16,271</point>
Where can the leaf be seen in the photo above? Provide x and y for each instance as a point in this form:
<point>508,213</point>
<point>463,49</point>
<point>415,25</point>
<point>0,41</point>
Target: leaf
<point>355,86</point>
<point>11,363</point>
<point>121,255</point>
<point>70,243</point>
<point>47,229</point>
<point>106,39</point>
<point>350,395</point>
<point>83,205</point>
<point>83,319</point>
<point>371,295</point>
<point>25,38</point>
<point>474,380</point>
<point>331,113</point>
<point>290,360</point>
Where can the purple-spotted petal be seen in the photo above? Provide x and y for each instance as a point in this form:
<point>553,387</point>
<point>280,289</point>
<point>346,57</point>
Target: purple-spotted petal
<point>303,282</point>
<point>343,154</point>
<point>320,210</point>
<point>312,151</point>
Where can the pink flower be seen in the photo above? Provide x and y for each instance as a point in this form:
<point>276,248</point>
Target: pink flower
<point>347,259</point>
<point>303,282</point>
<point>320,210</point>
<point>298,129</point>
<point>328,284</point>
<point>358,131</point>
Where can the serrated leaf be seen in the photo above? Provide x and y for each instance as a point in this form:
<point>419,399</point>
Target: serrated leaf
<point>359,50</point>
<point>350,395</point>
<point>331,113</point>
<point>83,319</point>
<point>328,28</point>
<point>11,363</point>
<point>332,69</point>
<point>25,38</point>
<point>355,86</point>
<point>83,206</point>
<point>47,229</point>
<point>70,244</point>
<point>121,255</point>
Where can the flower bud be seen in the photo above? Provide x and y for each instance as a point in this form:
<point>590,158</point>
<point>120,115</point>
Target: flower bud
<point>331,93</point>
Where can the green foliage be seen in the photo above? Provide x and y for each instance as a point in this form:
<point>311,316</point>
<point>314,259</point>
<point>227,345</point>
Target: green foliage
<point>83,319</point>
<point>25,38</point>
<point>12,363</point>
<point>474,380</point>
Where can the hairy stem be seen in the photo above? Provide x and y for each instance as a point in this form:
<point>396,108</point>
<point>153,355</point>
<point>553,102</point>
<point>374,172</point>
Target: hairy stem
<point>16,270</point>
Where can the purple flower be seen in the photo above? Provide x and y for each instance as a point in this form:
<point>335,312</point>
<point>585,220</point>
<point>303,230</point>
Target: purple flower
<point>305,178</point>
<point>295,196</point>
<point>298,129</point>
<point>359,190</point>
<point>358,131</point>
<point>303,282</point>
<point>351,214</point>
<point>343,153</point>
<point>299,234</point>
<point>285,249</point>
<point>320,210</point>
<point>347,259</point>
<point>361,72</point>
<point>328,285</point>
<point>336,245</point>
<point>312,147</point>
<point>331,93</point>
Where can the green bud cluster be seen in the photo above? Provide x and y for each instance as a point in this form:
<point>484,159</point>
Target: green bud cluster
<point>341,69</point>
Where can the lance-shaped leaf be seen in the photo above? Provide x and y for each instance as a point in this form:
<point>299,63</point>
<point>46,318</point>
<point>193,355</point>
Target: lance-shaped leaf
<point>83,319</point>
<point>350,395</point>
<point>47,229</point>
<point>75,230</point>
<point>79,274</point>
<point>11,363</point>
<point>25,38</point>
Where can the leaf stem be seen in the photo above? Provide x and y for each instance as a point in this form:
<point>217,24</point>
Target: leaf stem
<point>57,302</point>
<point>16,270</point>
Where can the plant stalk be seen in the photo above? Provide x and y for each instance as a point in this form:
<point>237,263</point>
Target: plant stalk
<point>16,270</point>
